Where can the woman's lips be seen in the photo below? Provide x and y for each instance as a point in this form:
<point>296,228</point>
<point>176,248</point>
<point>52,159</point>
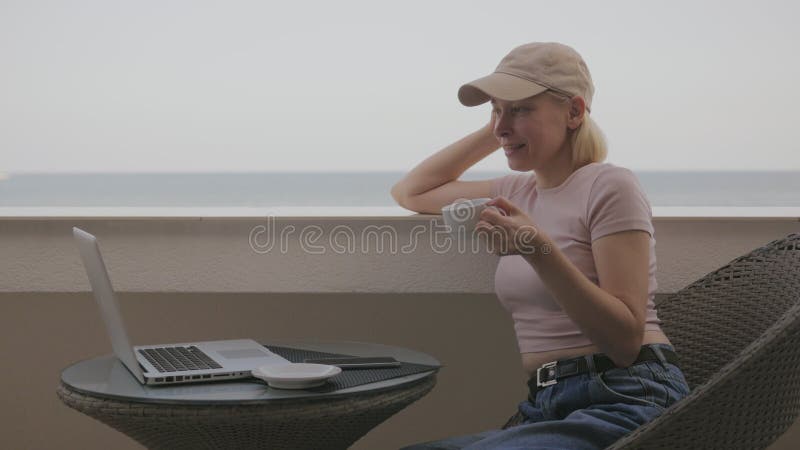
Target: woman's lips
<point>510,149</point>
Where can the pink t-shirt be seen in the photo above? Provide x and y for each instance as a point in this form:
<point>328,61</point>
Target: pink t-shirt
<point>596,200</point>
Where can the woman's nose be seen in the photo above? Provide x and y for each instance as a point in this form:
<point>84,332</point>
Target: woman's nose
<point>502,126</point>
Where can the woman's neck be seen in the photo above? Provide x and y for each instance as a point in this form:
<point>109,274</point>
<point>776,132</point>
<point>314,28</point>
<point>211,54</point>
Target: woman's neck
<point>556,171</point>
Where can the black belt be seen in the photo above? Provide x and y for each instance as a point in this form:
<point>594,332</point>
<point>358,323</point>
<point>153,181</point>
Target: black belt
<point>550,373</point>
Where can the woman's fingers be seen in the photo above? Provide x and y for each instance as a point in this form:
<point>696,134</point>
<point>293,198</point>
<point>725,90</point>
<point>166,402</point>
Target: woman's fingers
<point>502,205</point>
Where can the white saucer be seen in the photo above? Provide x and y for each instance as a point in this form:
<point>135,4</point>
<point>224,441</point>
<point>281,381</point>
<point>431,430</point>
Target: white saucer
<point>296,375</point>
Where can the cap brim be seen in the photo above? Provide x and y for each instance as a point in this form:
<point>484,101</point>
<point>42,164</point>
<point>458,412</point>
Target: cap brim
<point>500,86</point>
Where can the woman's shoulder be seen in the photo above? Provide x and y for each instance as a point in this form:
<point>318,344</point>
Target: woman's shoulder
<point>607,168</point>
<point>612,176</point>
<point>617,202</point>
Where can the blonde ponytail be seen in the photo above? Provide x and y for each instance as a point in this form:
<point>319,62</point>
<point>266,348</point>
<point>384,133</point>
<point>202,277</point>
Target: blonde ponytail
<point>588,143</point>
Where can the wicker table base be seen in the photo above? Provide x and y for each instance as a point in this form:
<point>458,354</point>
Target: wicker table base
<point>325,423</point>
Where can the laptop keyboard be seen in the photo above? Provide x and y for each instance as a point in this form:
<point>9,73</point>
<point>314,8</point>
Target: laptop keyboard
<point>176,359</point>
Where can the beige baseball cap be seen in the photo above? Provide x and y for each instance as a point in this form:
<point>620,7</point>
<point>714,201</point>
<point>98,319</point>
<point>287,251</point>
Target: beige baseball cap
<point>531,69</point>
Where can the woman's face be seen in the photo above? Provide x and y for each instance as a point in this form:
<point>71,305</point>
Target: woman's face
<point>532,131</point>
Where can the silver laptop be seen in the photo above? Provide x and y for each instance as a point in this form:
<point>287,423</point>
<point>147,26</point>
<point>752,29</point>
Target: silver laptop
<point>172,363</point>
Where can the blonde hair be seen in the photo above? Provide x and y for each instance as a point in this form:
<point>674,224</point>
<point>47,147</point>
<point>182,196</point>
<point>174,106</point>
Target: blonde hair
<point>588,143</point>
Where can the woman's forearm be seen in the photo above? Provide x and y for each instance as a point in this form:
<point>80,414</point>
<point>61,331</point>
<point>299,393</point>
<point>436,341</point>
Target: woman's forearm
<point>604,318</point>
<point>447,164</point>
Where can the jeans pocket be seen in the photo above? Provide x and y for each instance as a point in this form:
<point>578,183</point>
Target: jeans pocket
<point>634,385</point>
<point>675,380</point>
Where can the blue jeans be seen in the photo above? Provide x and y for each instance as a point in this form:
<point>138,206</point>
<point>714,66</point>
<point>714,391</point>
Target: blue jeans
<point>588,411</point>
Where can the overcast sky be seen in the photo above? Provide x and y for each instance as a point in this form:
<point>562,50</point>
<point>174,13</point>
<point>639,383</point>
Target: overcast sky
<point>371,85</point>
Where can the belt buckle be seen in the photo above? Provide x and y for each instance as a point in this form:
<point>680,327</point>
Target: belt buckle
<point>547,366</point>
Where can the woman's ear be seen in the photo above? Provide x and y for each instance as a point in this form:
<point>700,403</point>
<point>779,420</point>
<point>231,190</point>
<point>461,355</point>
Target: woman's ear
<point>577,108</point>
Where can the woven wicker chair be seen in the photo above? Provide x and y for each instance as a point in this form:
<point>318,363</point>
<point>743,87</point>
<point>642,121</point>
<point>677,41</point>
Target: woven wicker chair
<point>737,334</point>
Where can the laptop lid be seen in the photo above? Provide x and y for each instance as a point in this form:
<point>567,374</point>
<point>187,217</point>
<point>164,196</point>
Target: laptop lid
<point>106,301</point>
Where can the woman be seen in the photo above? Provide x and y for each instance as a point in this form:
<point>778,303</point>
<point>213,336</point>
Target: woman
<point>580,287</point>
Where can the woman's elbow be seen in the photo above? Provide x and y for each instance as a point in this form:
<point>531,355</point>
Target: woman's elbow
<point>629,352</point>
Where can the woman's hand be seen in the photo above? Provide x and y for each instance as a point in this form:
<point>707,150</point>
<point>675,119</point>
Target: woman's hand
<point>509,231</point>
<point>489,127</point>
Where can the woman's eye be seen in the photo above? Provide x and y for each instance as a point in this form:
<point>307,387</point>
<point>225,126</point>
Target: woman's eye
<point>514,110</point>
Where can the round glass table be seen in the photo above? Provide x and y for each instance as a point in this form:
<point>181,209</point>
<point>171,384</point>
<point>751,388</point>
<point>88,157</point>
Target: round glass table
<point>248,413</point>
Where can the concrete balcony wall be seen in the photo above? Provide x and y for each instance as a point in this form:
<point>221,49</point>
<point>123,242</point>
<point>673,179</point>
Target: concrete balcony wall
<point>204,280</point>
<point>392,254</point>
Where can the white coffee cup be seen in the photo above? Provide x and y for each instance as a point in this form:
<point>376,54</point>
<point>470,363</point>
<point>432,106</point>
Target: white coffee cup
<point>464,213</point>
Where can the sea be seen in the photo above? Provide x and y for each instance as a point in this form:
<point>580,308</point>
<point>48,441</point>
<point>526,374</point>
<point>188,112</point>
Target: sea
<point>257,189</point>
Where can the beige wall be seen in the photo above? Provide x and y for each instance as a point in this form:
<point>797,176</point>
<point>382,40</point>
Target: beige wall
<point>439,303</point>
<point>215,255</point>
<point>43,333</point>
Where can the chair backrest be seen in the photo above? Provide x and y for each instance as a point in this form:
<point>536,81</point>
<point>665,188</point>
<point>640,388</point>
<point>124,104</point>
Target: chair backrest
<point>713,319</point>
<point>737,334</point>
